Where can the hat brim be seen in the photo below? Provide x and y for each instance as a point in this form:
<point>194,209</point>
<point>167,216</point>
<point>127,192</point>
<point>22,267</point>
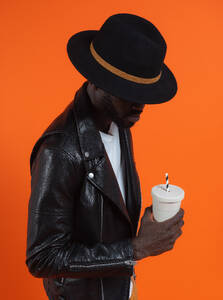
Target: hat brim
<point>78,49</point>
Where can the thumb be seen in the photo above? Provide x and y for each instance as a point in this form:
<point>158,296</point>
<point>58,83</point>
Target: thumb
<point>148,212</point>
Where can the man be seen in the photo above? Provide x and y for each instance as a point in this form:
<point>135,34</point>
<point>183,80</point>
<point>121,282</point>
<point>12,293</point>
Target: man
<point>85,197</point>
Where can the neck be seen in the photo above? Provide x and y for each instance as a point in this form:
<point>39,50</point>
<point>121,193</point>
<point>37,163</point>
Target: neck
<point>101,121</point>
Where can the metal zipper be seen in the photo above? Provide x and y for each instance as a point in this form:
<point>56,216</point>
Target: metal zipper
<point>102,290</point>
<point>130,262</point>
<point>101,231</point>
<point>127,262</point>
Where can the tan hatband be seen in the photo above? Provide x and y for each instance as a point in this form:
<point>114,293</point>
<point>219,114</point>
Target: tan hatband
<point>120,73</point>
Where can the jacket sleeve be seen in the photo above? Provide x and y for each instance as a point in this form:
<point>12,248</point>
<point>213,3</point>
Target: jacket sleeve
<point>51,251</point>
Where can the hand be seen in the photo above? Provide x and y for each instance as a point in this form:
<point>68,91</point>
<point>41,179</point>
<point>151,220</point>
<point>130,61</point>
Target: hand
<point>155,237</point>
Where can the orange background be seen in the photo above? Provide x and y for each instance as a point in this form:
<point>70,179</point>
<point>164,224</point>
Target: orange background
<point>182,137</point>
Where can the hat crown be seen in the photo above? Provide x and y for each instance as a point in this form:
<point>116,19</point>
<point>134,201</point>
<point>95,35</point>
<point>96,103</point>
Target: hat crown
<point>132,44</point>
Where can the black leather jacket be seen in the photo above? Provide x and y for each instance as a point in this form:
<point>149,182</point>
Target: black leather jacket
<point>79,228</point>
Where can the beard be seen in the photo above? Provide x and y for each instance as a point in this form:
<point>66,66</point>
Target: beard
<point>112,114</point>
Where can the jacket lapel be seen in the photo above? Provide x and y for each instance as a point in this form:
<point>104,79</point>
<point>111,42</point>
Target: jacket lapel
<point>94,154</point>
<point>133,192</point>
<point>106,181</point>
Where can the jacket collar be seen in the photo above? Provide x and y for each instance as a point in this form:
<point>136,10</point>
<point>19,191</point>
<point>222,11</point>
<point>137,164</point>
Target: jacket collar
<point>94,154</point>
<point>90,140</point>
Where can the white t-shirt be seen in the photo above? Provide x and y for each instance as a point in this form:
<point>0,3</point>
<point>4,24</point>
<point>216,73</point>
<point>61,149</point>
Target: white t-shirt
<point>111,142</point>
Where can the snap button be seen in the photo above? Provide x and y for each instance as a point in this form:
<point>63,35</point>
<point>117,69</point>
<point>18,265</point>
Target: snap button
<point>86,154</point>
<point>91,175</point>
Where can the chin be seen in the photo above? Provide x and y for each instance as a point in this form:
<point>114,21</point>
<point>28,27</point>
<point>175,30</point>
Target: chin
<point>126,124</point>
<point>130,125</point>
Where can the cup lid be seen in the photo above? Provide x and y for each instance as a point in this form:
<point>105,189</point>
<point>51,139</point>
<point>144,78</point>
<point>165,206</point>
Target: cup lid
<point>175,193</point>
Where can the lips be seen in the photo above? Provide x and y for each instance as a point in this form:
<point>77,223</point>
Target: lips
<point>133,118</point>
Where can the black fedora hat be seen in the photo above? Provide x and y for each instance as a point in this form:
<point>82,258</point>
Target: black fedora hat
<point>125,58</point>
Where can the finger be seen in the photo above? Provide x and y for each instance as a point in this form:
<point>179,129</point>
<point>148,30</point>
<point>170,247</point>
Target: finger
<point>177,235</point>
<point>181,223</point>
<point>149,209</point>
<point>174,220</point>
<point>145,216</point>
<point>179,214</point>
<point>172,238</point>
<point>172,233</point>
<point>150,213</point>
<point>181,211</point>
<point>177,226</point>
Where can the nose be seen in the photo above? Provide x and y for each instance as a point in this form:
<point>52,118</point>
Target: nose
<point>138,106</point>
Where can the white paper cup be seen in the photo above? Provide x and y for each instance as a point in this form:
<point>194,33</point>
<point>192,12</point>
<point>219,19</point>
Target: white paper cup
<point>166,204</point>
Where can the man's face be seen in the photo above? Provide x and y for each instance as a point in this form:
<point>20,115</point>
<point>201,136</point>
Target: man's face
<point>123,113</point>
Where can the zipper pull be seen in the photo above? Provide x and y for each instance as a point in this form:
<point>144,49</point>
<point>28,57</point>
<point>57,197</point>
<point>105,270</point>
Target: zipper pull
<point>130,262</point>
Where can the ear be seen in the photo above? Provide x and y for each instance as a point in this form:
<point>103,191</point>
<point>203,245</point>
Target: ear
<point>92,85</point>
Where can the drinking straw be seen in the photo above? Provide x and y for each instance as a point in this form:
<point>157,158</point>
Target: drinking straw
<point>167,183</point>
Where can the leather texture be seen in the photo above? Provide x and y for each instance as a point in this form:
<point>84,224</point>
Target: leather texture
<point>79,229</point>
